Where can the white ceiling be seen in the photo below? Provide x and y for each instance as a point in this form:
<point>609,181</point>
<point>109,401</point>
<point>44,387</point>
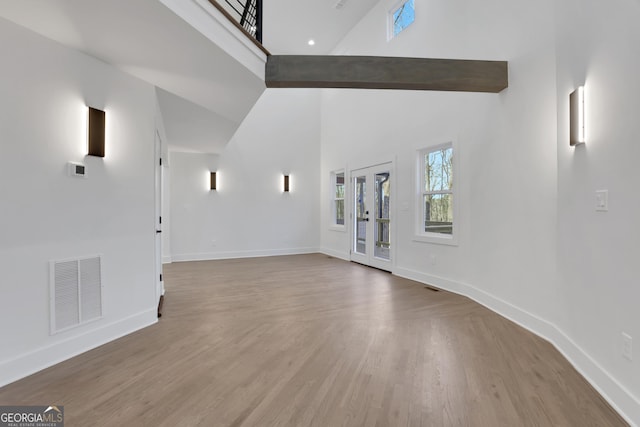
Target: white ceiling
<point>205,93</point>
<point>289,24</point>
<point>191,128</point>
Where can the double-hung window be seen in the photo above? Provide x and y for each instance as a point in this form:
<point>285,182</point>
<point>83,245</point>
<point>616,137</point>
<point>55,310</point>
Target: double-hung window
<point>436,219</point>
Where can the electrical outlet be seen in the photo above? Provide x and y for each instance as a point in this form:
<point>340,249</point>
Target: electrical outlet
<point>433,260</point>
<point>627,346</point>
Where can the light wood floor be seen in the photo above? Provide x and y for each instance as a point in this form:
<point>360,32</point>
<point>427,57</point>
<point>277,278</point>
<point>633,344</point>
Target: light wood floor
<point>313,341</point>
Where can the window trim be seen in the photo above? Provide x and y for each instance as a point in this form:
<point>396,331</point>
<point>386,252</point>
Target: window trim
<point>390,24</point>
<point>333,225</point>
<point>419,234</point>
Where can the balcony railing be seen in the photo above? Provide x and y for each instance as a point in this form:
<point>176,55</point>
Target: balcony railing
<point>245,13</point>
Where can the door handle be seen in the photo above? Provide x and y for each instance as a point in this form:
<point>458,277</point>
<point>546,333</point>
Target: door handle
<point>158,231</point>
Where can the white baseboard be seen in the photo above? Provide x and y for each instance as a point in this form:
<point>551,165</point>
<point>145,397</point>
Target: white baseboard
<point>29,363</point>
<point>241,254</point>
<point>618,396</point>
<point>166,259</point>
<point>336,254</point>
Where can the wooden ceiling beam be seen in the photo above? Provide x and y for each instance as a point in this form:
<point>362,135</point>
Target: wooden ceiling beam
<point>376,72</point>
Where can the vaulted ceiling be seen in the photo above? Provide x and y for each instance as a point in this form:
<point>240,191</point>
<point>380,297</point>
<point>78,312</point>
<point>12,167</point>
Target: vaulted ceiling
<point>289,24</point>
<point>204,94</point>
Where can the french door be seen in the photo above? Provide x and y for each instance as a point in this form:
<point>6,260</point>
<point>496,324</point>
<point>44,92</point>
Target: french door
<point>371,216</point>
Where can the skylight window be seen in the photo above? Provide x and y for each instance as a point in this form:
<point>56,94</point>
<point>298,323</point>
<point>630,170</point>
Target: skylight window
<point>401,17</point>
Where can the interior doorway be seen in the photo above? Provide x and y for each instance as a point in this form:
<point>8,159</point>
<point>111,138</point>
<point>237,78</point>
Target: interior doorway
<point>371,237</point>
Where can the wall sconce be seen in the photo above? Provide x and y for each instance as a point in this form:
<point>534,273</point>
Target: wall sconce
<point>212,181</point>
<point>286,183</point>
<point>576,118</point>
<point>95,132</point>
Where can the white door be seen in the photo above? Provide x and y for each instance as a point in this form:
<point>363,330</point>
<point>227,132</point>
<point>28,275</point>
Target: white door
<point>371,216</point>
<point>158,219</point>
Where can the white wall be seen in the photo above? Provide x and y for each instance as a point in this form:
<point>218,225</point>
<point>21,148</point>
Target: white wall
<point>505,146</point>
<point>530,244</point>
<point>48,215</point>
<point>598,252</point>
<point>249,215</point>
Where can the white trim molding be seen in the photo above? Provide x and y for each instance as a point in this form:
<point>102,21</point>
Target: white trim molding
<point>29,363</point>
<point>336,254</point>
<point>211,256</point>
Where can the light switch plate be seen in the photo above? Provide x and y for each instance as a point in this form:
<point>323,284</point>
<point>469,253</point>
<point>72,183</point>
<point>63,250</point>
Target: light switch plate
<point>602,200</point>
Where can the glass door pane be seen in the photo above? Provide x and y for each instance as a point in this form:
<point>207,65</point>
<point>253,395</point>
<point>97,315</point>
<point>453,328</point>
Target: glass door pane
<point>370,221</point>
<point>382,227</point>
<point>361,215</point>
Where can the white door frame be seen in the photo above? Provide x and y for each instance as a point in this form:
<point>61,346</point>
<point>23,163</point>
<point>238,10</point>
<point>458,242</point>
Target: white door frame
<point>369,258</point>
<point>158,171</point>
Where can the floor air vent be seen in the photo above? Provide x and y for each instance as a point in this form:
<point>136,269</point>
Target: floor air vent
<point>76,292</point>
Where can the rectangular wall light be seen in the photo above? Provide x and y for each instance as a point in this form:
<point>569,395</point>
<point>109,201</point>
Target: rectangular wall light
<point>286,183</point>
<point>213,183</point>
<point>576,117</point>
<point>95,132</point>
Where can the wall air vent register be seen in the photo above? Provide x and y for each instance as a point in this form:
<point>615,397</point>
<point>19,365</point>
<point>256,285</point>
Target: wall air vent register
<point>75,292</point>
